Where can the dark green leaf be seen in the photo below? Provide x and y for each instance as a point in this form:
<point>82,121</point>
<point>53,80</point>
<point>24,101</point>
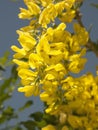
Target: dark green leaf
<point>4,59</point>
<point>49,118</point>
<point>14,72</point>
<point>94,5</point>
<point>2,68</point>
<point>41,124</point>
<point>4,97</point>
<point>8,111</point>
<point>30,125</point>
<point>37,116</point>
<point>5,85</point>
<point>16,128</point>
<point>7,115</point>
<point>2,118</point>
<point>27,104</point>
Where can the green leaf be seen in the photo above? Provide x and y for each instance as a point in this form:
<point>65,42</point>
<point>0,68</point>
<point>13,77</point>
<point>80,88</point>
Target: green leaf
<point>5,85</point>
<point>37,116</point>
<point>2,68</point>
<point>4,97</point>
<point>7,114</point>
<point>9,111</point>
<point>16,128</point>
<point>94,5</point>
<point>41,124</point>
<point>4,59</point>
<point>2,119</point>
<point>30,125</point>
<point>14,74</point>
<point>50,119</point>
<point>27,104</point>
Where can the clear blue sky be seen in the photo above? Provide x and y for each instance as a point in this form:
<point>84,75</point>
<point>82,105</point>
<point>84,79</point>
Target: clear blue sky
<point>9,23</point>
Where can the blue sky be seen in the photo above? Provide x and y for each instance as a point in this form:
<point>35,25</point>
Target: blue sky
<point>9,23</point>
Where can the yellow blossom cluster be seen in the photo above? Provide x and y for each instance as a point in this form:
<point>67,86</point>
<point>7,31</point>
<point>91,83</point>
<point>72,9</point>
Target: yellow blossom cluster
<point>48,58</point>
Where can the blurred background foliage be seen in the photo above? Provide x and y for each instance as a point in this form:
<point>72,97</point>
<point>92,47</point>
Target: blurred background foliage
<point>8,82</point>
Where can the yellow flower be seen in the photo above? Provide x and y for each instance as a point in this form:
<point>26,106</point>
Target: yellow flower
<point>81,34</point>
<point>43,46</point>
<point>48,56</point>
<point>60,7</point>
<point>47,97</point>
<point>30,90</point>
<point>26,74</point>
<point>26,40</point>
<point>35,61</point>
<point>20,53</point>
<point>58,71</point>
<point>49,127</point>
<point>67,4</point>
<point>74,121</point>
<point>47,15</point>
<point>65,128</point>
<point>45,3</point>
<point>33,10</point>
<point>54,57</point>
<point>21,64</point>
<point>76,64</point>
<point>50,85</point>
<point>67,16</point>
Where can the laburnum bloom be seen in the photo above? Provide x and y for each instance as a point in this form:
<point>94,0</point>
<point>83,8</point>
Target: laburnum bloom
<point>80,100</point>
<point>47,59</point>
<point>51,9</point>
<point>52,55</point>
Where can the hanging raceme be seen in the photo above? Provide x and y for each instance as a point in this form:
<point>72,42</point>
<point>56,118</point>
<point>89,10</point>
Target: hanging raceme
<point>49,56</point>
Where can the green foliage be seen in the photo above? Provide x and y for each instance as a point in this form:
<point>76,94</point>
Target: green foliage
<point>1,68</point>
<point>4,60</point>
<point>29,125</point>
<point>26,105</point>
<point>94,5</point>
<point>38,120</point>
<point>7,115</point>
<point>7,86</point>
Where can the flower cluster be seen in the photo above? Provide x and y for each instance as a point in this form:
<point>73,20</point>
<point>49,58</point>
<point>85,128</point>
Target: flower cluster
<point>48,58</point>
